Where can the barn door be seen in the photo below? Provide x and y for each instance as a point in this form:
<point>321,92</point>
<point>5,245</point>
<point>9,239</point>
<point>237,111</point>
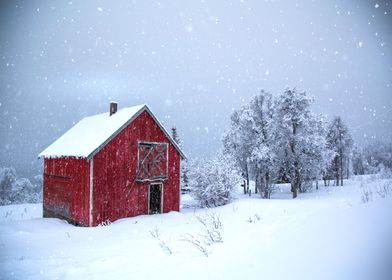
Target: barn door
<point>155,199</point>
<point>152,161</point>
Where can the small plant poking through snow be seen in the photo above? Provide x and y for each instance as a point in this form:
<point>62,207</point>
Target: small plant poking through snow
<point>367,194</point>
<point>255,218</point>
<point>157,235</point>
<point>197,243</point>
<point>212,226</point>
<point>384,189</point>
<point>368,189</point>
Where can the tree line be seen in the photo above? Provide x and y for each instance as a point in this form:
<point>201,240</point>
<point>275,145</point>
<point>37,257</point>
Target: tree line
<point>278,139</point>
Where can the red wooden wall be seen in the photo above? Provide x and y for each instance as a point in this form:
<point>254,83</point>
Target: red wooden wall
<point>115,171</point>
<point>67,189</point>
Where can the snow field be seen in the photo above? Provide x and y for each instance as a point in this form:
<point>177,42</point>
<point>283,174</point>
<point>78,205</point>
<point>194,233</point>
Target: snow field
<point>325,234</point>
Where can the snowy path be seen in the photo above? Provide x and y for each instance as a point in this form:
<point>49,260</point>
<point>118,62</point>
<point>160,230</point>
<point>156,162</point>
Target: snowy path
<point>326,234</point>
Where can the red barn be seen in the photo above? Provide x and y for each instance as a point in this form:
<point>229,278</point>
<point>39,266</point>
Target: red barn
<point>110,166</point>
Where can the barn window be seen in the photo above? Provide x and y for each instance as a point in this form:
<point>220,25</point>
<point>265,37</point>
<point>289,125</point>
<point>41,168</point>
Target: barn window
<point>152,161</point>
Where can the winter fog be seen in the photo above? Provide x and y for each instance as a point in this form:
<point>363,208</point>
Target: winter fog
<point>192,62</point>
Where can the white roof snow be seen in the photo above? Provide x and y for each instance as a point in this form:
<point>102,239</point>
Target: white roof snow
<point>91,133</point>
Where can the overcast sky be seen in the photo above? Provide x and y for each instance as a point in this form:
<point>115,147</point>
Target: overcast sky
<point>192,62</point>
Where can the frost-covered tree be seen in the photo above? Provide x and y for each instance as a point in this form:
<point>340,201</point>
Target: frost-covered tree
<point>340,142</point>
<point>23,191</point>
<point>295,140</point>
<point>261,115</point>
<point>377,156</point>
<point>38,184</point>
<point>184,183</point>
<point>357,160</point>
<point>211,181</point>
<point>7,180</point>
<point>237,141</point>
<point>175,136</point>
<point>314,156</point>
<point>14,190</point>
<point>184,163</point>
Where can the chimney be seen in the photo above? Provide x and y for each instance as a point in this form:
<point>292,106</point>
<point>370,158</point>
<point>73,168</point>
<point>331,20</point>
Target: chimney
<point>113,108</point>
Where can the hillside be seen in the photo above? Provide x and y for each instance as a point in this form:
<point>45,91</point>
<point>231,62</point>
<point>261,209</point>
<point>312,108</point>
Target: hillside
<point>332,233</point>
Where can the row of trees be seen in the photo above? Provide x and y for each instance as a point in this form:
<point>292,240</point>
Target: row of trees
<point>372,158</point>
<point>280,140</point>
<point>14,190</point>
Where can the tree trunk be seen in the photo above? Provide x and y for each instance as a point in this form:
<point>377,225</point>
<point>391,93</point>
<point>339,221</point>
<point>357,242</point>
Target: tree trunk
<point>295,191</point>
<point>247,176</point>
<point>336,170</point>
<point>257,181</point>
<point>341,170</point>
<point>341,158</point>
<point>267,191</point>
<point>297,180</point>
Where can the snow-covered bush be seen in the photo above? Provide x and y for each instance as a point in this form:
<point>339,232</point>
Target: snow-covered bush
<point>211,181</point>
<point>7,179</point>
<point>14,190</point>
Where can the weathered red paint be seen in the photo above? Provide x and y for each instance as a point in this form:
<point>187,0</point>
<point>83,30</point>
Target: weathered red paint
<point>66,188</point>
<point>115,193</point>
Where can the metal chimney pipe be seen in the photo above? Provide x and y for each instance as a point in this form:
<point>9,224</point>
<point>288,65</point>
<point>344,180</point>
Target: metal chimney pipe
<point>113,108</point>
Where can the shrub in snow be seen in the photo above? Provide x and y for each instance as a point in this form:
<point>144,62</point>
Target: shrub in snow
<point>7,179</point>
<point>211,181</point>
<point>197,243</point>
<point>212,226</point>
<point>15,190</point>
<point>163,244</point>
<point>384,189</point>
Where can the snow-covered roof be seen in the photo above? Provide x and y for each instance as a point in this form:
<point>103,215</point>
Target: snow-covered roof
<point>92,133</point>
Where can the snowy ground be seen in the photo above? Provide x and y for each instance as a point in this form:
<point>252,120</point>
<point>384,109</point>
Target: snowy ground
<point>325,234</point>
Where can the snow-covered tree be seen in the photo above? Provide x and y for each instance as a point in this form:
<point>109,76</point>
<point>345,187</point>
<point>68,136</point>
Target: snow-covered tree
<point>314,156</point>
<point>211,181</point>
<point>14,190</point>
<point>357,160</point>
<point>175,136</point>
<point>377,156</point>
<point>340,142</point>
<point>237,141</point>
<point>184,163</point>
<point>7,180</point>
<point>261,114</point>
<point>295,140</point>
<point>184,183</point>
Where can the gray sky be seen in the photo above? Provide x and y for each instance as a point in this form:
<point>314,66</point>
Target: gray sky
<point>190,61</point>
